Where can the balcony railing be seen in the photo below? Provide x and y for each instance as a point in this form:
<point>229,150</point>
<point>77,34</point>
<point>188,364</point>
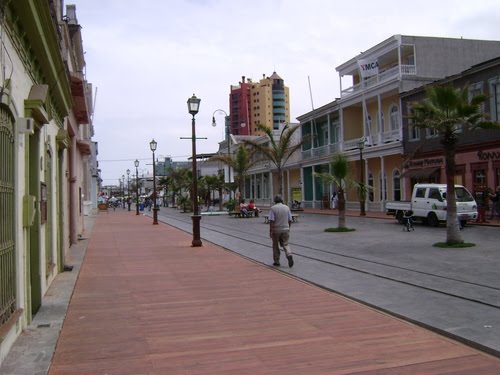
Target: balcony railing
<point>391,135</point>
<point>318,152</point>
<point>350,145</point>
<point>383,76</point>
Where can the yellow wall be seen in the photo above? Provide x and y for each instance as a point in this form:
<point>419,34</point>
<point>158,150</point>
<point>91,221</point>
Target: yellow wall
<point>391,164</point>
<point>353,123</point>
<point>387,103</point>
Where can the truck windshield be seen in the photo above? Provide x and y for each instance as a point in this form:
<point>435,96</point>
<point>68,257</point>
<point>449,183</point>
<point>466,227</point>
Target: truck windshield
<point>463,195</point>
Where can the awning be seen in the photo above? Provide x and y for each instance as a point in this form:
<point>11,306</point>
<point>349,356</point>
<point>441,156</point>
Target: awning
<point>420,173</point>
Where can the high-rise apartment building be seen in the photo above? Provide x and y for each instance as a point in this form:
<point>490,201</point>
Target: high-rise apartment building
<point>265,102</point>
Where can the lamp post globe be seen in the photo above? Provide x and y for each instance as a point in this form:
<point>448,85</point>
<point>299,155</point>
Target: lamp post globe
<point>227,124</point>
<point>193,107</point>
<point>152,146</point>
<point>362,188</point>
<point>136,164</point>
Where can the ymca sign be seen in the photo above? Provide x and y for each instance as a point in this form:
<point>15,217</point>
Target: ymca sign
<point>368,67</point>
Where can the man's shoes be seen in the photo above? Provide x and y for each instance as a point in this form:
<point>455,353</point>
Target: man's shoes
<point>290,260</point>
<point>276,264</point>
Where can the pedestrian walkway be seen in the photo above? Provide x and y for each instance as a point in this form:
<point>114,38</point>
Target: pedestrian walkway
<point>146,302</point>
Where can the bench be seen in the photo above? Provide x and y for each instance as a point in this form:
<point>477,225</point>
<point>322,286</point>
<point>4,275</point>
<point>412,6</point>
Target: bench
<point>295,218</point>
<point>237,213</point>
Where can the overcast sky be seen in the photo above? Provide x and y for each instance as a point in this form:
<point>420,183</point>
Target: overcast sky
<point>146,58</point>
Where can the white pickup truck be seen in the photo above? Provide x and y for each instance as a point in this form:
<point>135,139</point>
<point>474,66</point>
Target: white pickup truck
<point>428,203</point>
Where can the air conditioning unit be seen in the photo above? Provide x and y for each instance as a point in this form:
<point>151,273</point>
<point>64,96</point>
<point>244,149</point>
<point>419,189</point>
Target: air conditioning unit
<point>26,125</point>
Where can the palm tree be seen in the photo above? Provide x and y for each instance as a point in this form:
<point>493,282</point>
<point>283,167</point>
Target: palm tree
<point>278,151</point>
<point>179,181</point>
<point>241,162</point>
<point>210,183</point>
<point>165,182</point>
<point>339,176</point>
<point>448,111</point>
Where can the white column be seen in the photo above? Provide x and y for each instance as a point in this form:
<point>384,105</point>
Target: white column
<point>383,182</point>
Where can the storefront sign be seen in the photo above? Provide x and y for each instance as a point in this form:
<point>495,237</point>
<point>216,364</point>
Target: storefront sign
<point>435,162</point>
<point>488,155</point>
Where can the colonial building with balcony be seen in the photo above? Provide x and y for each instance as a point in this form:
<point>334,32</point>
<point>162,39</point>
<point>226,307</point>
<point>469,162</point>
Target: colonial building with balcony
<point>370,109</point>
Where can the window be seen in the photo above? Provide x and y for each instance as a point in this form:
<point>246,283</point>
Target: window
<point>420,193</point>
<point>394,117</point>
<point>495,98</point>
<point>370,184</point>
<point>475,89</point>
<point>380,122</point>
<point>383,187</point>
<point>334,137</point>
<point>43,202</point>
<point>496,169</point>
<point>479,177</point>
<point>396,179</point>
<point>413,133</point>
<point>435,194</point>
<point>368,124</point>
<point>432,133</point>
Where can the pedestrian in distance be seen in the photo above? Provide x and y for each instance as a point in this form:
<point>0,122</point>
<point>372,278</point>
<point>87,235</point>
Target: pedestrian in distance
<point>243,208</point>
<point>280,220</point>
<point>481,196</point>
<point>335,200</point>
<point>254,208</point>
<point>495,201</point>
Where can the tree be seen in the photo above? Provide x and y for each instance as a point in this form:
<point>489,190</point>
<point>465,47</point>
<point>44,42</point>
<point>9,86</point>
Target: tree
<point>209,184</point>
<point>165,182</point>
<point>241,162</point>
<point>338,175</point>
<point>449,112</point>
<point>278,151</point>
<point>179,180</point>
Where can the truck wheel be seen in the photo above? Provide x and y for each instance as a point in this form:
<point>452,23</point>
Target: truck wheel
<point>432,219</point>
<point>399,217</point>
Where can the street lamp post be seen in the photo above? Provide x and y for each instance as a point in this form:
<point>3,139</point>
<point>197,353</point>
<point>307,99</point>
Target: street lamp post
<point>123,192</point>
<point>153,145</point>
<point>193,107</point>
<point>128,188</point>
<point>136,163</point>
<point>362,189</point>
<point>227,125</point>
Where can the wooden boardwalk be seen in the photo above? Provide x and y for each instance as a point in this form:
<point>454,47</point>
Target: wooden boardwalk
<point>148,303</point>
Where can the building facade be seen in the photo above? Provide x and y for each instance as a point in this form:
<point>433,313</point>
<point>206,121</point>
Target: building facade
<point>46,152</point>
<point>478,152</point>
<point>370,109</point>
<point>265,102</point>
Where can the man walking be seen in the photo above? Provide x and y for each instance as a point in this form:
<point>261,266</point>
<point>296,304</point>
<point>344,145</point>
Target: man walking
<point>280,219</point>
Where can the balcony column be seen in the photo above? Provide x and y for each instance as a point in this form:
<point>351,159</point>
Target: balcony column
<point>379,114</point>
